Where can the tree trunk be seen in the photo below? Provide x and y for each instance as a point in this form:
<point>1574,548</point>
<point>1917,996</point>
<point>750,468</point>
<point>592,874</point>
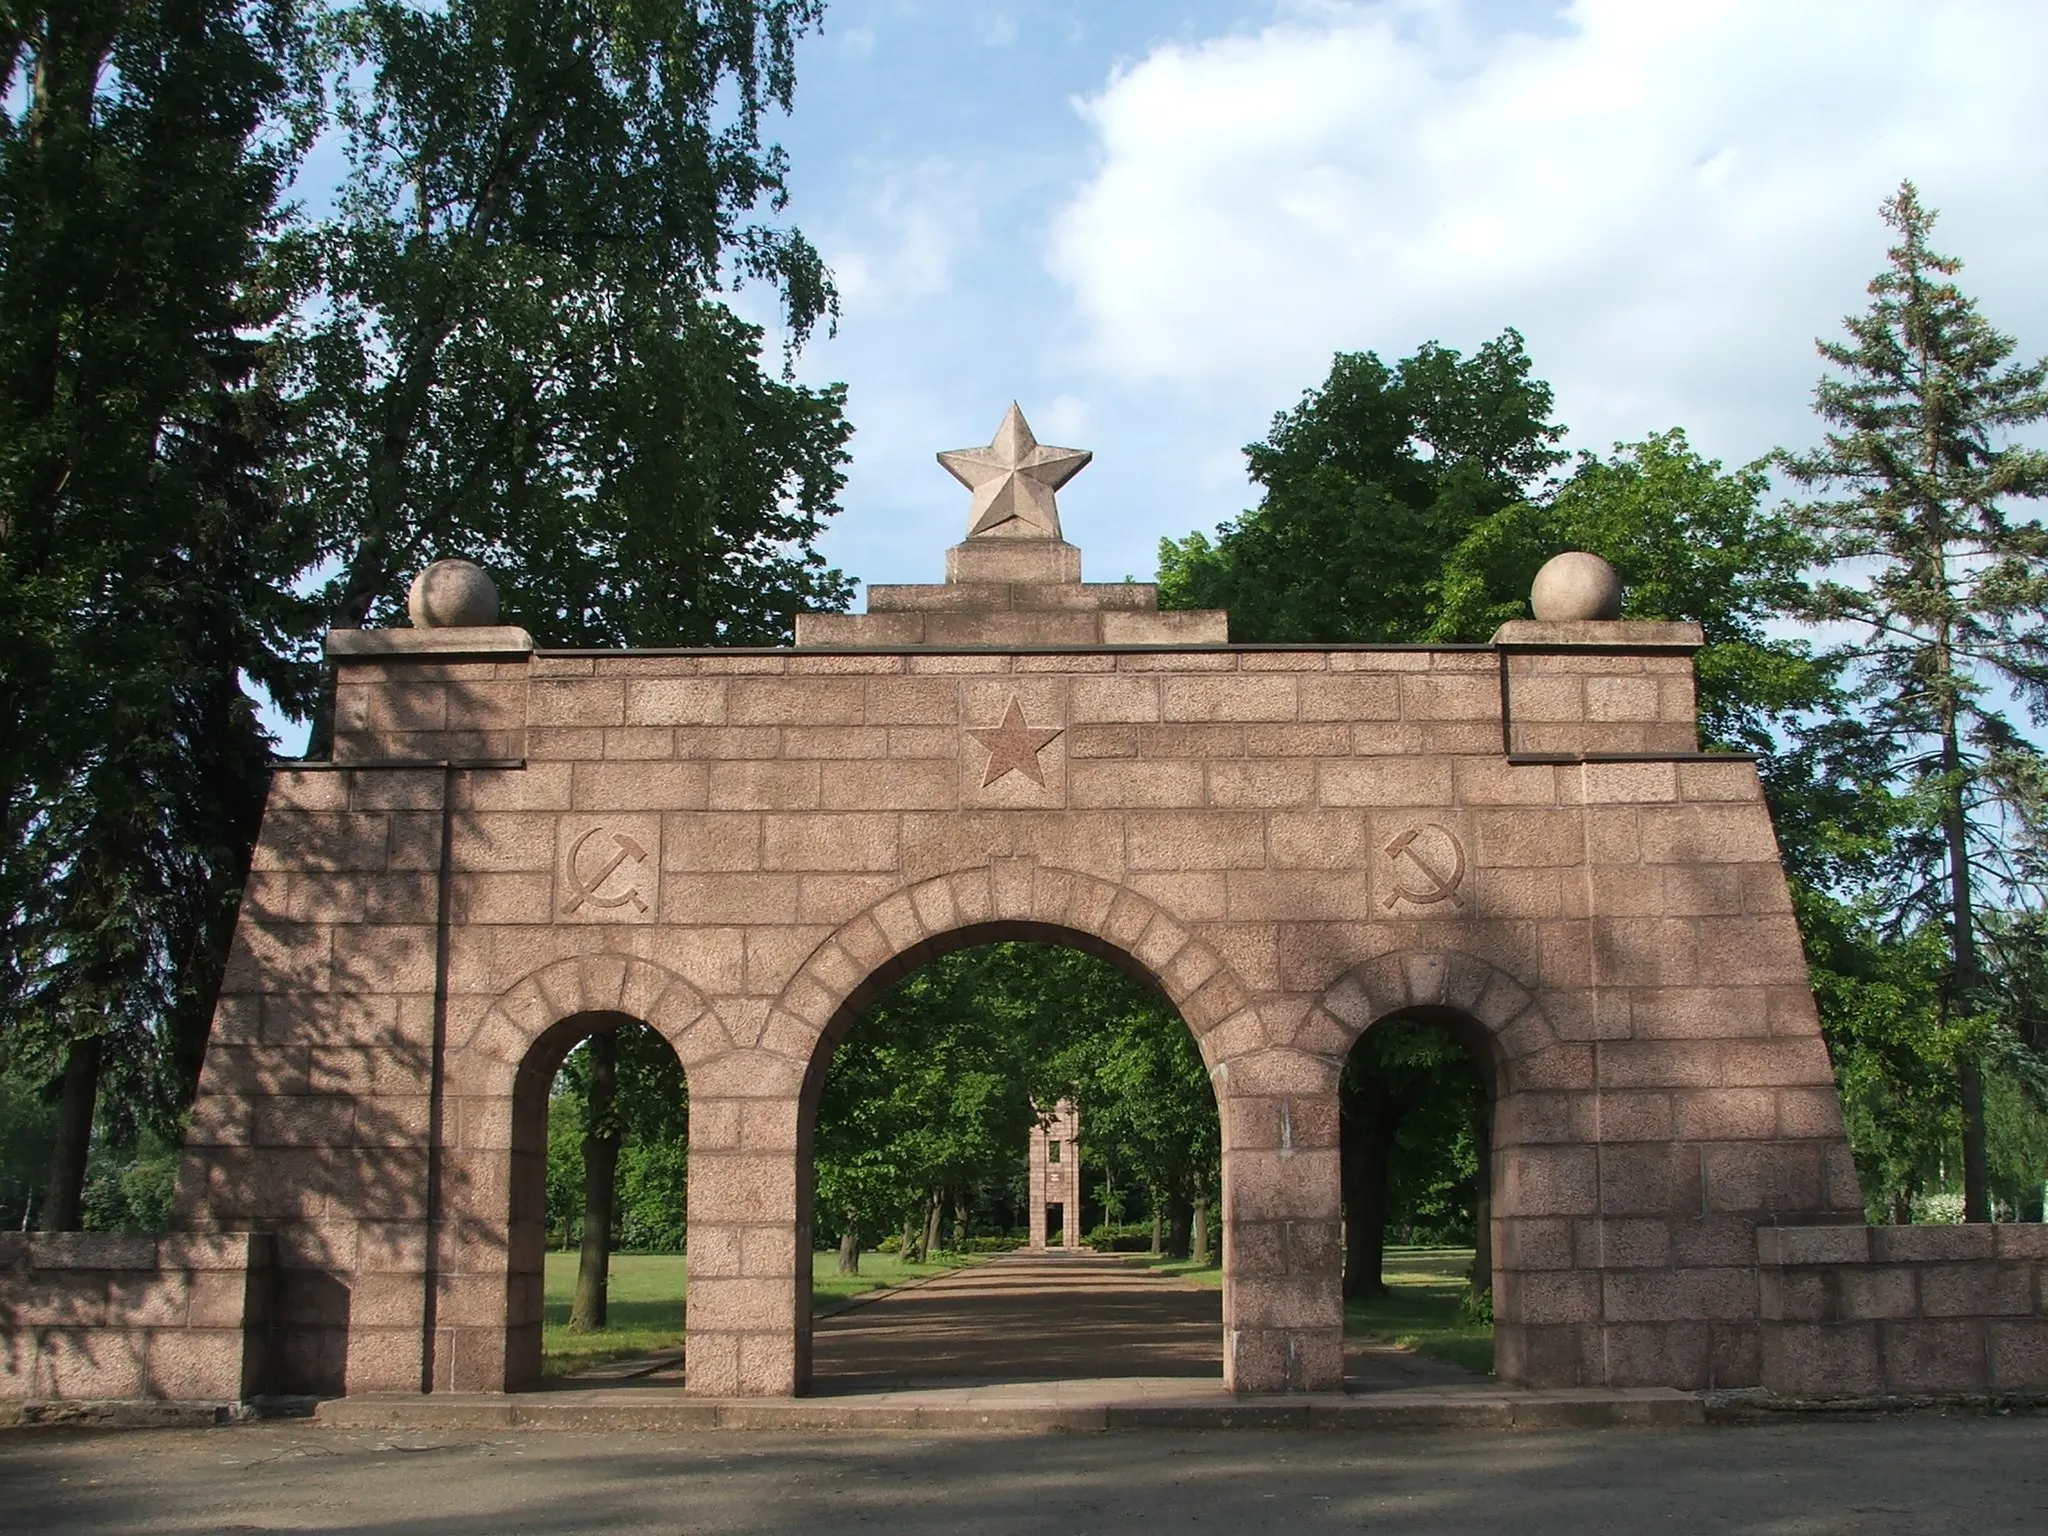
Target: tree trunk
<point>1963,935</point>
<point>2032,1203</point>
<point>849,1246</point>
<point>934,1211</point>
<point>906,1245</point>
<point>600,1169</point>
<point>1158,1225</point>
<point>1180,1221</point>
<point>1365,1210</point>
<point>960,1220</point>
<point>1482,1203</point>
<point>63,1200</point>
<point>1199,1242</point>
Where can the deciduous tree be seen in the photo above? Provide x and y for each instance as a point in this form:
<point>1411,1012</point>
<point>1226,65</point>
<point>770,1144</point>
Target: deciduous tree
<point>1366,484</point>
<point>519,358</point>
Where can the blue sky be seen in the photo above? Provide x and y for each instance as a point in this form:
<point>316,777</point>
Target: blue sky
<point>1152,224</point>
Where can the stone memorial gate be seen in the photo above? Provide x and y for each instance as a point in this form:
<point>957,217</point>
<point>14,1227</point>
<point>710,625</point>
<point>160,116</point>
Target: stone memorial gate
<point>516,846</point>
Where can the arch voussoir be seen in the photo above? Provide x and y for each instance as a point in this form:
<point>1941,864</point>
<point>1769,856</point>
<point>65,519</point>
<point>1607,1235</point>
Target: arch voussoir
<point>1513,1020</point>
<point>603,979</point>
<point>972,900</point>
<point>933,903</point>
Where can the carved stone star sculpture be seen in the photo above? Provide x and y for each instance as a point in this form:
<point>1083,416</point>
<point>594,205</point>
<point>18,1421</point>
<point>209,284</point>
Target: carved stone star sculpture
<point>1013,480</point>
<point>1013,747</point>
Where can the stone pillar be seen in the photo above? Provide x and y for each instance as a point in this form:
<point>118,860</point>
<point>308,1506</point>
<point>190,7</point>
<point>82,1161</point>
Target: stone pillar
<point>750,1251</point>
<point>1055,1175</point>
<point>1283,1263</point>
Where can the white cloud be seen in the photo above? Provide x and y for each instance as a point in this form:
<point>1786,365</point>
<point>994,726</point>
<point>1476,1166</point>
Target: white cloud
<point>902,245</point>
<point>1670,201</point>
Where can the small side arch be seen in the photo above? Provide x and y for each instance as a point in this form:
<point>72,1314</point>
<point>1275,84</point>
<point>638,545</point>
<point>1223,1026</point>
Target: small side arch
<point>520,1019</point>
<point>1544,1169</point>
<point>498,1080</point>
<point>1497,1017</point>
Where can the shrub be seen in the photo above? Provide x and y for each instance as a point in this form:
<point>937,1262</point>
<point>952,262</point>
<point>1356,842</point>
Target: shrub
<point>1125,1237</point>
<point>1938,1210</point>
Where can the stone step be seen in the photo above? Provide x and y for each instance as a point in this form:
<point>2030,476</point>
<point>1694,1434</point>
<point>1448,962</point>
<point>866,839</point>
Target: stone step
<point>1045,1407</point>
<point>1004,597</point>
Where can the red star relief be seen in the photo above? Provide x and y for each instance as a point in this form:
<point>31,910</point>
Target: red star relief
<point>1014,747</point>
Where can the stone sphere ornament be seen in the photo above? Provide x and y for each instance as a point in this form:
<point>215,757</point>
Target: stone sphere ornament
<point>1575,586</point>
<point>453,594</point>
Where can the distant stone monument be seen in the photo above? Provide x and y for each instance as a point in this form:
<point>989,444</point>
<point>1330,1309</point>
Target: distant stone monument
<point>1055,1174</point>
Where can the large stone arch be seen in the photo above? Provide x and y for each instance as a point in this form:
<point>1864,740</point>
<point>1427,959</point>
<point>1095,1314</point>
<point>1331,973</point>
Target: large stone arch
<point>750,1121</point>
<point>1008,899</point>
<point>492,1195</point>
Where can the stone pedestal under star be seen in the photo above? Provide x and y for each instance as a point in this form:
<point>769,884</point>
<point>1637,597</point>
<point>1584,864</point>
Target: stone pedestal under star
<point>1013,480</point>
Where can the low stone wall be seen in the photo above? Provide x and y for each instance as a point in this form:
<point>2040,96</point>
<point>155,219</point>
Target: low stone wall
<point>90,1316</point>
<point>1868,1311</point>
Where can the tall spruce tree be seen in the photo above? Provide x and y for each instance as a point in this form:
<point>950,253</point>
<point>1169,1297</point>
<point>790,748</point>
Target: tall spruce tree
<point>1942,579</point>
<point>520,359</point>
<point>144,562</point>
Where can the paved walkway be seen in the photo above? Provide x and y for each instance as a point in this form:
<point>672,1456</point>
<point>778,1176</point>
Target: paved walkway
<point>1020,1318</point>
<point>1058,1317</point>
<point>1904,1477</point>
<point>1036,1342</point>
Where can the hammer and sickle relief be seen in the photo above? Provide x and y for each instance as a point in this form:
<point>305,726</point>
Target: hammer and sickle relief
<point>1429,866</point>
<point>622,850</point>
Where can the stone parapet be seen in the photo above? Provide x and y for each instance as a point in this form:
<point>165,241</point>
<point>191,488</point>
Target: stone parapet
<point>477,640</point>
<point>1599,687</point>
<point>101,1317</point>
<point>1869,1311</point>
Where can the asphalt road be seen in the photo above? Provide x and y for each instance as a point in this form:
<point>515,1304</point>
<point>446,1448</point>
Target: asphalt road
<point>1810,1478</point>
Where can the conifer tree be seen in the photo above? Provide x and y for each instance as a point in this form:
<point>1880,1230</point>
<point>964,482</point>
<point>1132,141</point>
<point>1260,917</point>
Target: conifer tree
<point>1941,576</point>
<point>144,561</point>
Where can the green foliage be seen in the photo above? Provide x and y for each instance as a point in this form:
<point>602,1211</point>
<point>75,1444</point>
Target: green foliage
<point>933,1089</point>
<point>1122,1237</point>
<point>1368,481</point>
<point>28,1134</point>
<point>650,1205</point>
<point>1943,589</point>
<point>517,359</point>
<point>146,561</point>
<point>1415,1091</point>
<point>132,1193</point>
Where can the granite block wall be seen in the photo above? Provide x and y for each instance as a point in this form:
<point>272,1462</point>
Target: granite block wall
<point>1865,1311</point>
<point>99,1317</point>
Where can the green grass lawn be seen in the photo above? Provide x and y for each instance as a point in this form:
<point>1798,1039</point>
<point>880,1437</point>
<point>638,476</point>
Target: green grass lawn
<point>645,1311</point>
<point>1420,1311</point>
<point>1208,1273</point>
<point>646,1302</point>
<point>876,1271</point>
